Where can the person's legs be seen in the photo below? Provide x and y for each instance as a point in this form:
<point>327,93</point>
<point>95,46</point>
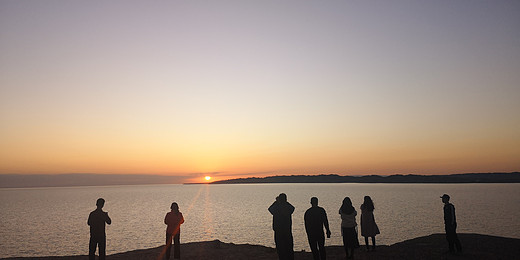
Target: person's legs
<point>313,244</point>
<point>177,246</point>
<point>450,236</point>
<point>289,247</point>
<point>347,242</point>
<point>353,241</point>
<point>373,243</point>
<point>321,247</point>
<point>366,243</point>
<point>457,242</point>
<point>284,245</point>
<point>102,248</point>
<point>278,242</point>
<point>453,239</point>
<point>92,248</point>
<point>168,245</point>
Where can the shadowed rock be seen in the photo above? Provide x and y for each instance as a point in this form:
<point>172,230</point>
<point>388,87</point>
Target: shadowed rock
<point>429,247</point>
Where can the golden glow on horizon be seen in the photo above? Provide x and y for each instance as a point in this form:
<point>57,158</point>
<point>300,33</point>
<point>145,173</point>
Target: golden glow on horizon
<point>257,153</point>
<point>207,178</point>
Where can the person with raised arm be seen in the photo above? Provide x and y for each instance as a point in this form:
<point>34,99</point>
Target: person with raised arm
<point>282,226</point>
<point>96,221</point>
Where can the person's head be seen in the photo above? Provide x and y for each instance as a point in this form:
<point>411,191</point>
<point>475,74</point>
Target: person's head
<point>314,201</point>
<point>347,202</point>
<point>282,197</point>
<point>100,203</point>
<point>445,198</point>
<point>174,207</point>
<point>368,203</point>
<point>346,207</point>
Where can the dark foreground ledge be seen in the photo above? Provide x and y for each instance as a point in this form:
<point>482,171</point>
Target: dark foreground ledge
<point>434,246</point>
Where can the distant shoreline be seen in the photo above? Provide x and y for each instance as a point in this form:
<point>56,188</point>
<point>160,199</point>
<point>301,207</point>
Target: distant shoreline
<point>475,246</point>
<point>83,180</point>
<point>512,177</point>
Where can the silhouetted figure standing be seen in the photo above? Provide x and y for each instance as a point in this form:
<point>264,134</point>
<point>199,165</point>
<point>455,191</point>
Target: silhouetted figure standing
<point>450,225</point>
<point>315,219</point>
<point>96,221</point>
<point>368,223</point>
<point>282,226</point>
<point>348,227</point>
<point>173,219</point>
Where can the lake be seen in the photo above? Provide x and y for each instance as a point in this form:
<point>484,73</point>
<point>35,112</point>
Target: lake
<point>53,221</point>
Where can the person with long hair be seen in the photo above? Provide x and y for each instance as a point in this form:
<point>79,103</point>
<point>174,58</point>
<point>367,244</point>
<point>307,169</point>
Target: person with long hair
<point>173,219</point>
<point>368,223</point>
<point>348,227</point>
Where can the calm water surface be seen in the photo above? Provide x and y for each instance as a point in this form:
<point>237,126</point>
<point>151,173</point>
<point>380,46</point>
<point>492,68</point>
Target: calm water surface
<point>53,221</point>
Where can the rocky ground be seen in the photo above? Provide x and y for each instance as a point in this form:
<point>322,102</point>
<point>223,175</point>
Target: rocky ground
<point>434,246</point>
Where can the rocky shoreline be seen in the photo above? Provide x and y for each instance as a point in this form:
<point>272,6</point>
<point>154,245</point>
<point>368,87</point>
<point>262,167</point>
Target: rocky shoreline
<point>475,246</point>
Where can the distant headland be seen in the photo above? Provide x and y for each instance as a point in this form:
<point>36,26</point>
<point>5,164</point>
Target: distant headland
<point>73,180</point>
<point>512,177</point>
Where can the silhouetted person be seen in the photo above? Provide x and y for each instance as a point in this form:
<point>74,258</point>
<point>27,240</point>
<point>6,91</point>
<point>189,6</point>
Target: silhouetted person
<point>348,227</point>
<point>315,219</point>
<point>450,224</point>
<point>282,226</point>
<point>96,221</point>
<point>368,223</point>
<point>173,219</point>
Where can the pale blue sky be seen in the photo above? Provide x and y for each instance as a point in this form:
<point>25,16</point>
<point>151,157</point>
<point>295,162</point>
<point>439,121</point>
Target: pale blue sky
<point>260,86</point>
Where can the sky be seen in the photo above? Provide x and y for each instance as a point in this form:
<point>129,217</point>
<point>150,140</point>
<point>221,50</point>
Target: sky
<point>256,88</point>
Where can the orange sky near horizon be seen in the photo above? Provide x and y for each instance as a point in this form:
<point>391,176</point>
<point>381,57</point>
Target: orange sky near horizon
<point>241,89</point>
<point>255,155</point>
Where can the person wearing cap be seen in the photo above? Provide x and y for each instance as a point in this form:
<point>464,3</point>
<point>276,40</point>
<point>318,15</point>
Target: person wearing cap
<point>96,221</point>
<point>450,225</point>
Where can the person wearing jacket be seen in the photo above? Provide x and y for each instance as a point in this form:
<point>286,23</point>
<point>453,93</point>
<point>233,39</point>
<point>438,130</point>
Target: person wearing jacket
<point>348,227</point>
<point>173,220</point>
<point>450,225</point>
<point>282,226</point>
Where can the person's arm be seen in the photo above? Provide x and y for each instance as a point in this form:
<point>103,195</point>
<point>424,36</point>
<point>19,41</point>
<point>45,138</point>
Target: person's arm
<point>107,218</point>
<point>166,219</point>
<point>306,221</point>
<point>292,207</point>
<point>272,208</point>
<point>452,214</point>
<point>182,219</point>
<point>326,223</point>
<point>88,220</point>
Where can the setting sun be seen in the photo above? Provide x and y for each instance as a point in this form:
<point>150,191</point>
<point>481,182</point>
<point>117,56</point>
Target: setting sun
<point>207,178</point>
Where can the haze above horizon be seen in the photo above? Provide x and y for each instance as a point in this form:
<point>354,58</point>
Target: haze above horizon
<point>254,88</point>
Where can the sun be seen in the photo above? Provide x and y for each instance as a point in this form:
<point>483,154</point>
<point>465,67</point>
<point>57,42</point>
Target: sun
<point>207,178</point>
